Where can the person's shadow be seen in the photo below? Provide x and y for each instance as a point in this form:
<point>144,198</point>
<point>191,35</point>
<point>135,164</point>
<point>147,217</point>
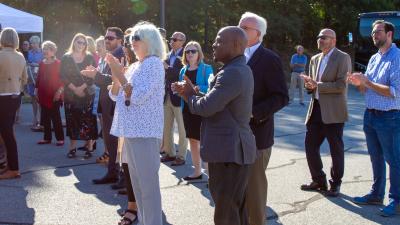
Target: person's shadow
<point>13,202</point>
<point>369,212</point>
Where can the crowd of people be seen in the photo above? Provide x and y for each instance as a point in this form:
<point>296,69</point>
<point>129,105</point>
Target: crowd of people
<point>136,88</point>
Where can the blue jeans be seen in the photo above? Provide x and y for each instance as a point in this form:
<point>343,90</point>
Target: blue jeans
<point>382,131</point>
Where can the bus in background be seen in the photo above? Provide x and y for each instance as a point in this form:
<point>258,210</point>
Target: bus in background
<point>364,47</point>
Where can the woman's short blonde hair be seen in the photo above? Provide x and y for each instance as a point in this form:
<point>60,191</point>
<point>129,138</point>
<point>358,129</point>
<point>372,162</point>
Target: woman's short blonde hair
<point>50,45</point>
<point>150,35</point>
<point>9,38</point>
<point>71,46</point>
<point>200,52</point>
<point>91,45</point>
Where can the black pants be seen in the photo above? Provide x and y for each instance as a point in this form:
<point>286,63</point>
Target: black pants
<point>48,116</point>
<point>9,105</point>
<point>128,183</point>
<point>228,184</point>
<point>317,131</point>
<point>110,141</point>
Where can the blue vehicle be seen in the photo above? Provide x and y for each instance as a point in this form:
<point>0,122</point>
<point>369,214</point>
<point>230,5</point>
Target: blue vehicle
<point>364,47</point>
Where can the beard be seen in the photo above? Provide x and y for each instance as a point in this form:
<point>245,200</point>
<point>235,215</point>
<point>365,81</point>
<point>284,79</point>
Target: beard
<point>379,43</point>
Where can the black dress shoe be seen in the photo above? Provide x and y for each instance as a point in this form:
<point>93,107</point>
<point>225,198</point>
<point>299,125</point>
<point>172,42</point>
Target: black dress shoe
<point>334,190</point>
<point>107,179</point>
<point>314,186</point>
<point>188,178</point>
<point>123,192</point>
<point>119,185</point>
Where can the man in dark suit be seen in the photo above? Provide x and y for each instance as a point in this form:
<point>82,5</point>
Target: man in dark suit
<point>270,95</point>
<point>227,142</point>
<point>327,112</point>
<point>113,41</point>
<point>172,104</point>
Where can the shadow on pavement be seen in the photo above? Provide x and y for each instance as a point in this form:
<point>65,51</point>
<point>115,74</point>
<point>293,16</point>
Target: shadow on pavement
<point>369,212</point>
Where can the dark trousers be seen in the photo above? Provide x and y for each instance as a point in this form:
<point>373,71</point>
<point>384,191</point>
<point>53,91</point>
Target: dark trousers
<point>9,105</point>
<point>317,131</point>
<point>128,183</point>
<point>228,184</point>
<point>48,116</point>
<point>110,141</point>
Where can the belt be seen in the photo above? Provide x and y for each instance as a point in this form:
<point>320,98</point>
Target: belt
<point>381,111</point>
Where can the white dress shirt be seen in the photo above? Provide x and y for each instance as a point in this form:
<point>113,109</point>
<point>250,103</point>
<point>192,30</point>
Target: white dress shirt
<point>249,51</point>
<point>322,66</point>
<point>144,117</point>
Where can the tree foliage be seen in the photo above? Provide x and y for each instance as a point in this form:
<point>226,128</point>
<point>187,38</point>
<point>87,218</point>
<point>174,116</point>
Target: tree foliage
<point>290,22</point>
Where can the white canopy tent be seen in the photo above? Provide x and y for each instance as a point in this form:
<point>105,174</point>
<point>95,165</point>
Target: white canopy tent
<point>21,21</point>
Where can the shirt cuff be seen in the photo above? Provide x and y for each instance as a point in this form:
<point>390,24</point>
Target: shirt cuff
<point>392,91</point>
<point>113,97</point>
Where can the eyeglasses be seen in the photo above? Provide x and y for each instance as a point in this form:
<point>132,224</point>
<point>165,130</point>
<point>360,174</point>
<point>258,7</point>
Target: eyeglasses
<point>175,39</point>
<point>248,28</point>
<point>191,51</point>
<point>80,42</point>
<point>110,38</point>
<point>376,32</point>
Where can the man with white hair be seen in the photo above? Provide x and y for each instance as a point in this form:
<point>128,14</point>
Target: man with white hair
<point>270,95</point>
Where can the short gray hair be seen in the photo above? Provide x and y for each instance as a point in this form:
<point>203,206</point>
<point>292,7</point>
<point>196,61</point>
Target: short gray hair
<point>9,38</point>
<point>150,35</point>
<point>34,39</point>
<point>50,45</point>
<point>261,22</point>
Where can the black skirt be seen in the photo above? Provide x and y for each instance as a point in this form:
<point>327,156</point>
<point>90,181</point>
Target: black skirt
<point>192,123</point>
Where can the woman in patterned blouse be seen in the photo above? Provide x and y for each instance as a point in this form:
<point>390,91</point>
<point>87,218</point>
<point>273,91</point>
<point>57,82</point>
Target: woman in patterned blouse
<point>138,117</point>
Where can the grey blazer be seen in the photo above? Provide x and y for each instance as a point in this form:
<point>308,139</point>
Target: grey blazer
<point>225,134</point>
<point>332,89</point>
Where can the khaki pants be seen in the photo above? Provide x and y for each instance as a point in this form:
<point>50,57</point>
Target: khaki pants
<point>256,193</point>
<point>172,112</point>
<point>294,81</point>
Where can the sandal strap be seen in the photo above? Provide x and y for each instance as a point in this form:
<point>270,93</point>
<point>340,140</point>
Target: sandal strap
<point>126,220</point>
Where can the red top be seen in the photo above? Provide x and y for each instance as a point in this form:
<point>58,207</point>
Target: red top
<point>48,82</point>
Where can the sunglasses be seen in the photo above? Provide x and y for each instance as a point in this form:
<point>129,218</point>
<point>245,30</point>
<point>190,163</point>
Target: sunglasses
<point>191,51</point>
<point>80,42</point>
<point>110,38</point>
<point>322,37</point>
<point>135,38</point>
<point>175,39</point>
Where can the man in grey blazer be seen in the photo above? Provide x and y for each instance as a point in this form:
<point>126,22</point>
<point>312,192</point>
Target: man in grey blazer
<point>327,112</point>
<point>226,142</point>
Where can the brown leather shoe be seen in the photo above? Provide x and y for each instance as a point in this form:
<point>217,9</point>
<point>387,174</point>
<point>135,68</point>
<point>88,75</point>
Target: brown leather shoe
<point>178,162</point>
<point>10,174</point>
<point>167,158</point>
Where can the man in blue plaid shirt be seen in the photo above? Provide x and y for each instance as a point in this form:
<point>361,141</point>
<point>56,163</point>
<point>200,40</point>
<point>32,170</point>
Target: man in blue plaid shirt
<point>381,86</point>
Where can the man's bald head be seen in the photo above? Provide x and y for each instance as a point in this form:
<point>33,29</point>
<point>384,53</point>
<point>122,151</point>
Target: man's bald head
<point>329,32</point>
<point>230,42</point>
<point>326,40</point>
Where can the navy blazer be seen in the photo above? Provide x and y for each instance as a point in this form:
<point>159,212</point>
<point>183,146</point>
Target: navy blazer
<point>171,76</point>
<point>270,94</point>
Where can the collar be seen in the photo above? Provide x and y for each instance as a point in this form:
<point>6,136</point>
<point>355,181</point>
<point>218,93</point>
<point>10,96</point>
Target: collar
<point>389,50</point>
<point>250,50</point>
<point>329,53</point>
<point>177,51</point>
<point>239,58</point>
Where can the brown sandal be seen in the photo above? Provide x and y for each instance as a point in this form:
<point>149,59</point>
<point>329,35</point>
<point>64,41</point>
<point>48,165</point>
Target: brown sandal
<point>129,217</point>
